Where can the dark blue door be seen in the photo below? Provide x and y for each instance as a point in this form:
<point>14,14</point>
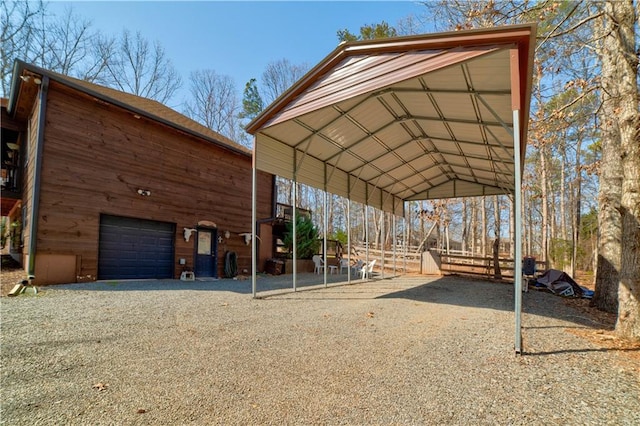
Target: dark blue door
<point>132,248</point>
<point>206,253</point>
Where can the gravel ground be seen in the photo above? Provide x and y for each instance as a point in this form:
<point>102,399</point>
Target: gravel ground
<point>409,351</point>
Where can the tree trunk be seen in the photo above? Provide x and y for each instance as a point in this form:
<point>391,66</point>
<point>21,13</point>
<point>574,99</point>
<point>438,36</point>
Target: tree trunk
<point>465,229</point>
<point>609,220</point>
<point>446,237</point>
<point>474,227</point>
<point>484,225</point>
<point>545,203</point>
<point>622,60</point>
<point>496,241</point>
<point>512,226</point>
<point>577,210</point>
<point>564,236</point>
<point>422,222</point>
<point>497,222</point>
<point>497,273</point>
<point>407,224</point>
<point>362,224</point>
<point>330,216</point>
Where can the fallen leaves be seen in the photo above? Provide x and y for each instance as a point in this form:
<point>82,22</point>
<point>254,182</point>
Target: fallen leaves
<point>608,340</point>
<point>100,386</point>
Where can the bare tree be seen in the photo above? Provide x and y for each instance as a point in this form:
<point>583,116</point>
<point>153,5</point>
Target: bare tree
<point>214,101</point>
<point>279,76</point>
<point>18,20</point>
<point>101,53</point>
<point>276,79</point>
<point>412,24</point>
<point>141,68</point>
<point>496,241</point>
<point>66,43</point>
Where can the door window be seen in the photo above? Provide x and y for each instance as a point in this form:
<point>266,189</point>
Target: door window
<point>204,242</point>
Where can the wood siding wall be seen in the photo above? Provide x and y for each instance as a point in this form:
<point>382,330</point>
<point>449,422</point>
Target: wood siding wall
<point>96,157</point>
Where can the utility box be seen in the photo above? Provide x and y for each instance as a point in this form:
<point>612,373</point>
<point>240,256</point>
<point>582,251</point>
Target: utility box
<point>274,267</point>
<point>529,266</point>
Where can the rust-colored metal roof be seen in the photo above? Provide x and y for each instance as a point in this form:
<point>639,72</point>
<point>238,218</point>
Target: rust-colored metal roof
<point>139,105</point>
<point>407,118</point>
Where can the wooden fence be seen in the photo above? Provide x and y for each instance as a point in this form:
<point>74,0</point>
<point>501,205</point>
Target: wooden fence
<point>409,260</point>
<point>400,261</point>
<point>480,266</point>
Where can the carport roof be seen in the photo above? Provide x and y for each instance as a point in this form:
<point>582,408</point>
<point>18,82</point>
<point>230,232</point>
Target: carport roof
<point>406,118</point>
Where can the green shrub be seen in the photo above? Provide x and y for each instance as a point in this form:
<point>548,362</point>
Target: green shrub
<point>308,243</point>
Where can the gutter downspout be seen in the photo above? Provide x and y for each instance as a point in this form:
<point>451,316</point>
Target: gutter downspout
<point>35,210</point>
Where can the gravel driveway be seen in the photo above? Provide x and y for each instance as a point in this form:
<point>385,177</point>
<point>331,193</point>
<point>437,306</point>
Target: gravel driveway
<point>404,351</point>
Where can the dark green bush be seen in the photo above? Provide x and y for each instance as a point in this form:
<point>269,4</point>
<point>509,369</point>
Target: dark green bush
<point>308,243</point>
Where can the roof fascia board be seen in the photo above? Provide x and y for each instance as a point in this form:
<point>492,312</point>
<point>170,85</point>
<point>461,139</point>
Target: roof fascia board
<point>327,63</point>
<point>18,68</point>
<point>445,40</point>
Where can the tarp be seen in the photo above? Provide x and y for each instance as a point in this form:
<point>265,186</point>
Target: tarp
<point>560,283</point>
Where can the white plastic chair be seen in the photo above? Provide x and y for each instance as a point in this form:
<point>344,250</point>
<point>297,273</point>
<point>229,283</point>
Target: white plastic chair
<point>357,267</point>
<point>367,270</point>
<point>319,264</point>
<point>344,264</point>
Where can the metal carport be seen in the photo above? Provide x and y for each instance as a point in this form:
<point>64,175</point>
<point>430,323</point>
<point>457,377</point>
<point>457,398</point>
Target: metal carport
<point>385,121</point>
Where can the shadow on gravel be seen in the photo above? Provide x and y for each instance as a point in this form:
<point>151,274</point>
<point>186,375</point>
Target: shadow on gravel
<point>450,290</point>
<point>580,350</point>
<point>476,293</point>
<point>243,286</point>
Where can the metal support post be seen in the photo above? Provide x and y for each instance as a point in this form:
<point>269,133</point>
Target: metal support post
<point>517,272</point>
<point>254,219</point>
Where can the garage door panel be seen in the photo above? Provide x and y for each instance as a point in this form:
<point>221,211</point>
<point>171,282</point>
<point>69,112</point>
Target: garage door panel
<point>133,248</point>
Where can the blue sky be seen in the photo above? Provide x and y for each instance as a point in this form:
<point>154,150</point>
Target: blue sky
<point>239,38</point>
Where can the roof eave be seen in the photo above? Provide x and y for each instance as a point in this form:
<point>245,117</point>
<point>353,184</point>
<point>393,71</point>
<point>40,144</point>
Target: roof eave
<point>20,66</point>
<point>519,34</point>
<point>335,56</point>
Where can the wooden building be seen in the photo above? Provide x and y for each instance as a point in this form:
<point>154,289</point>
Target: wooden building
<point>102,184</point>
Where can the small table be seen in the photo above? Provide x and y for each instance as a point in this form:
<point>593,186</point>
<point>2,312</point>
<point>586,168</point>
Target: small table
<point>333,269</point>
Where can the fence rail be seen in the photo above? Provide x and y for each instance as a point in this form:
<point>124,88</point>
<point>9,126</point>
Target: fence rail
<point>409,260</point>
<point>481,265</point>
<point>400,262</point>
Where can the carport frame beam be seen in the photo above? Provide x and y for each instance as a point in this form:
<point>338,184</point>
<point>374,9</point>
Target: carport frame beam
<point>517,267</point>
<point>254,218</point>
<point>517,261</point>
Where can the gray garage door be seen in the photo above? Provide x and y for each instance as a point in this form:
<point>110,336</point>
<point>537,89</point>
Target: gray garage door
<point>135,248</point>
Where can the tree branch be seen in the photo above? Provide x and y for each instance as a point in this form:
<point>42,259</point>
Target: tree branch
<point>569,30</point>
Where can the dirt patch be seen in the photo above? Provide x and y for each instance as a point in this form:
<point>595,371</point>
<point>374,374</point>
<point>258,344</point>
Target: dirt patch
<point>606,339</point>
<point>606,320</point>
<point>604,335</point>
<point>12,274</point>
<point>585,279</point>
